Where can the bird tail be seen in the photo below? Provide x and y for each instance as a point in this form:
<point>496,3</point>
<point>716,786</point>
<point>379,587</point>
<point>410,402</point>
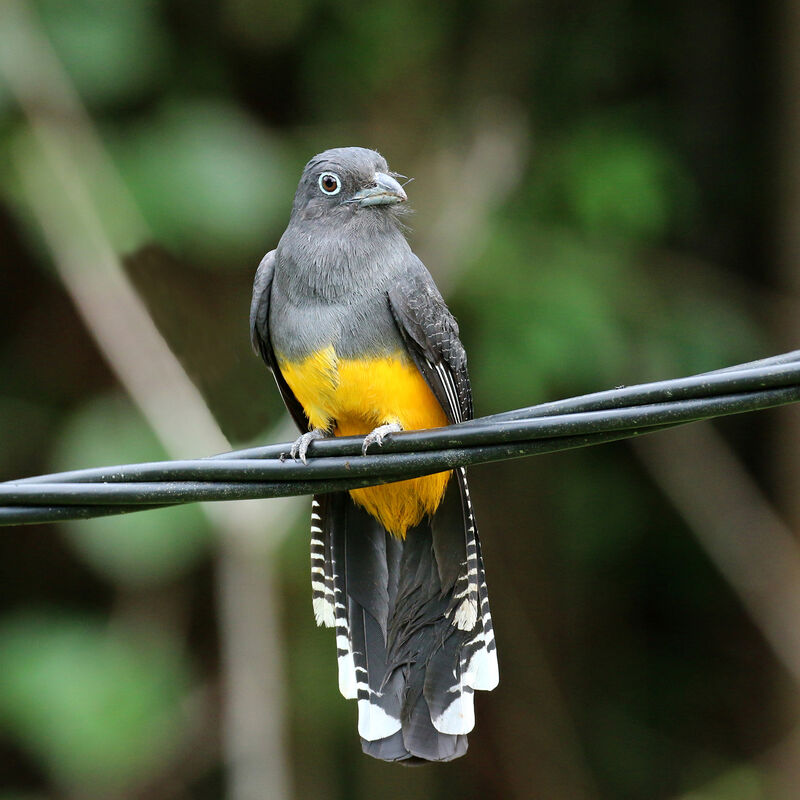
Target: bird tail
<point>414,635</point>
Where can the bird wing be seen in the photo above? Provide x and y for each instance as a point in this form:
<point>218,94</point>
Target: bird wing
<point>260,338</point>
<point>431,336</point>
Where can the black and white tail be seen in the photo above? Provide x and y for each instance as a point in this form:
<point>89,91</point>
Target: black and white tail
<point>414,636</point>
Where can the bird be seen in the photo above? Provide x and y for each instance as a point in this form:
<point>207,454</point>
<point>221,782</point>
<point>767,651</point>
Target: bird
<point>361,343</point>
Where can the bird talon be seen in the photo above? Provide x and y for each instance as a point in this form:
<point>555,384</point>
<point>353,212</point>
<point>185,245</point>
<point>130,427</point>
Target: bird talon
<point>379,434</point>
<point>301,444</point>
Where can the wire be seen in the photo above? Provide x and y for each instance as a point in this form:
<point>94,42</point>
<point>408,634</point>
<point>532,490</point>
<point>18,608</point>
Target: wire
<point>337,464</point>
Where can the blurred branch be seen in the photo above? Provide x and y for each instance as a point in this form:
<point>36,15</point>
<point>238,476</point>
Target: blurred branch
<point>55,189</point>
<point>787,229</point>
<point>494,161</point>
<point>735,523</point>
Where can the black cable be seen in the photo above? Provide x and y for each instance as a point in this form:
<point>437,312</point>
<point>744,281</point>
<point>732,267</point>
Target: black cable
<point>337,464</point>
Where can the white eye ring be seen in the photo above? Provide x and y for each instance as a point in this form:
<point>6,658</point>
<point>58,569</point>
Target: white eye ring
<point>338,183</point>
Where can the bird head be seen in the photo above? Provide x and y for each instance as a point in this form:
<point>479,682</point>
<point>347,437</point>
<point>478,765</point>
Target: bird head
<point>347,180</point>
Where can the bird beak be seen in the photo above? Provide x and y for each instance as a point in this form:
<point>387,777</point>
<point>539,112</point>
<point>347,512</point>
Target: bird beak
<point>386,191</point>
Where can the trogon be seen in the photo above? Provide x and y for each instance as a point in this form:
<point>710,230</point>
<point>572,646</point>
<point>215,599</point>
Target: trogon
<point>360,342</point>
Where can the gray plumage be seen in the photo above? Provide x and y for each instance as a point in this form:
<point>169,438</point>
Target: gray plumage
<point>413,628</point>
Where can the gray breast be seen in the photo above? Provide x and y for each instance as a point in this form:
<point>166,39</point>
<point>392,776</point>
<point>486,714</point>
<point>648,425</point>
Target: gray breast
<point>356,326</point>
<point>330,287</point>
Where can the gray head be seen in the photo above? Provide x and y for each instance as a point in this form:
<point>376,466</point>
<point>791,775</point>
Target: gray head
<point>345,182</point>
<point>344,235</point>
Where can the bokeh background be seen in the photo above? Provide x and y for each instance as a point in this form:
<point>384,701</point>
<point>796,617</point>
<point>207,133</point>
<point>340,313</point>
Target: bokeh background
<point>606,192</point>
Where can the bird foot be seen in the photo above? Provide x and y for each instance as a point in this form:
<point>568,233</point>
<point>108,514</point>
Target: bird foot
<point>377,436</point>
<point>300,447</point>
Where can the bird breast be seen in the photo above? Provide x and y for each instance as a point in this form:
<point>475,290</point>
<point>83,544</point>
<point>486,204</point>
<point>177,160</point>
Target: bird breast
<point>355,395</point>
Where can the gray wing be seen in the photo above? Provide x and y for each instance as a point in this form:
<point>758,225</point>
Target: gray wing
<point>431,335</point>
<point>260,338</point>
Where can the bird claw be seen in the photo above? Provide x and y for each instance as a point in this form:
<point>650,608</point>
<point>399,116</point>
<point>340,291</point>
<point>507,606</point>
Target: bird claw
<point>300,447</point>
<point>377,436</point>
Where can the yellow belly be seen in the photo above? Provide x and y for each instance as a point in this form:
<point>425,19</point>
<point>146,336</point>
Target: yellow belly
<point>355,396</point>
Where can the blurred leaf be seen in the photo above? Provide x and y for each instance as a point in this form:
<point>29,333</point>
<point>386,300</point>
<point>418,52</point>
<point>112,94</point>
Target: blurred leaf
<point>5,103</point>
<point>140,548</point>
<point>20,796</point>
<point>546,317</point>
<point>702,331</point>
<point>598,519</point>
<point>208,179</point>
<point>112,50</point>
<point>364,62</point>
<point>745,782</point>
<point>99,708</point>
<point>572,312</point>
<point>264,23</point>
<point>615,182</point>
<point>23,432</point>
<point>613,179</point>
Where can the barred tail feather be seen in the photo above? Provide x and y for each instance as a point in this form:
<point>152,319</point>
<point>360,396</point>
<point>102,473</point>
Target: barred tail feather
<point>413,629</point>
<point>321,574</point>
<point>481,652</point>
<point>483,663</point>
<point>330,600</point>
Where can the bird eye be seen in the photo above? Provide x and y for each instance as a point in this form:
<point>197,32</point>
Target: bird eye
<point>330,183</point>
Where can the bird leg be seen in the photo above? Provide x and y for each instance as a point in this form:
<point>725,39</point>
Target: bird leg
<point>376,436</point>
<point>300,447</point>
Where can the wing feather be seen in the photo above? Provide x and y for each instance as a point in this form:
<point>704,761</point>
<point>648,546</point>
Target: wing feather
<point>431,335</point>
<point>260,338</point>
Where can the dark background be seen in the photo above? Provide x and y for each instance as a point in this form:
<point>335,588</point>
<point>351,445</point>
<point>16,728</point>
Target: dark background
<point>606,192</point>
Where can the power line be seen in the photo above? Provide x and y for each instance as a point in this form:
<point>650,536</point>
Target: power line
<point>337,464</point>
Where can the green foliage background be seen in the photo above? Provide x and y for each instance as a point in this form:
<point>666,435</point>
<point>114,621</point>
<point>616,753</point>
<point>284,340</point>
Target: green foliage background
<point>634,239</point>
